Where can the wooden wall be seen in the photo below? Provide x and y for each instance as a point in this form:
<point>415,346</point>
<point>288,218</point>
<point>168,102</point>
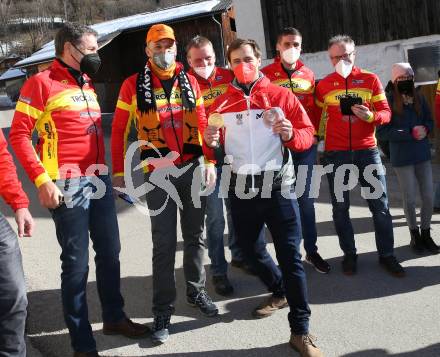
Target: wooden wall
<point>367,21</point>
<point>125,55</point>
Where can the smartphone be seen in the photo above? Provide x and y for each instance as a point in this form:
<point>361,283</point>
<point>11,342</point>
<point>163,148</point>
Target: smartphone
<point>346,102</point>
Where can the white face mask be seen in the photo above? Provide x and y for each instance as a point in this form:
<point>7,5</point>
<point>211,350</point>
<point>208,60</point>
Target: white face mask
<point>344,68</point>
<point>165,60</point>
<point>204,72</point>
<point>291,55</point>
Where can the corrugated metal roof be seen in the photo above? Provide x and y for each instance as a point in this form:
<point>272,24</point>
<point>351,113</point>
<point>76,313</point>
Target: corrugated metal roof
<point>222,6</point>
<point>12,73</point>
<point>144,20</point>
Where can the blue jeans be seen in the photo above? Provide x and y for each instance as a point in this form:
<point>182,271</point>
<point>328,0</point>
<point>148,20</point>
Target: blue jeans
<point>236,251</point>
<point>306,160</point>
<point>281,216</point>
<point>13,301</point>
<point>74,220</point>
<point>382,219</point>
<point>215,227</point>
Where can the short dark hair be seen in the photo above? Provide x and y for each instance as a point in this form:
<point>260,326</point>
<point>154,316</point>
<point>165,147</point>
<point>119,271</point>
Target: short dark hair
<point>197,42</point>
<point>71,32</point>
<point>288,31</point>
<point>340,39</point>
<point>239,42</point>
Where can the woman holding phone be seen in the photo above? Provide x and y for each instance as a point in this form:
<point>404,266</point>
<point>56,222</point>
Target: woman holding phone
<point>410,153</point>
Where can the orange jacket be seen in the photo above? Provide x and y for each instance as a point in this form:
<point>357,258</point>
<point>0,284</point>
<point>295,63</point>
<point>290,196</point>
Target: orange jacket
<point>214,86</point>
<point>336,129</point>
<point>301,83</point>
<point>10,187</point>
<point>170,114</point>
<point>68,123</point>
<point>437,104</point>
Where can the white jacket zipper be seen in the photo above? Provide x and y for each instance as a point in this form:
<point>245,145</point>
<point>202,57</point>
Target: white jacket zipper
<point>251,138</point>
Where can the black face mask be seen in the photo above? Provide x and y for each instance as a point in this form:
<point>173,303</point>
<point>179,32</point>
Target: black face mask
<point>90,63</point>
<point>405,87</point>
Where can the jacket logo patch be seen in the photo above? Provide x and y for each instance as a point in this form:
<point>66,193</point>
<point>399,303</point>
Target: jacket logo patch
<point>335,84</point>
<point>83,98</point>
<point>358,81</point>
<point>259,116</point>
<point>64,81</point>
<point>89,115</point>
<point>212,95</point>
<point>162,96</point>
<point>349,94</point>
<point>239,118</point>
<point>93,129</point>
<point>218,78</point>
<point>26,100</point>
<point>277,74</point>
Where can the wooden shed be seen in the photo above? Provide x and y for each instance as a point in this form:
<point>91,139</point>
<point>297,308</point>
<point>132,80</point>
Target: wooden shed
<point>122,42</point>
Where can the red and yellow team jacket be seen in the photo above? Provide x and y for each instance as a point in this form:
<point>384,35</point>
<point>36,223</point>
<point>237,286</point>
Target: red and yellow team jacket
<point>301,83</point>
<point>246,138</point>
<point>335,127</point>
<point>10,187</point>
<point>214,86</point>
<point>437,104</point>
<point>170,114</point>
<point>68,122</point>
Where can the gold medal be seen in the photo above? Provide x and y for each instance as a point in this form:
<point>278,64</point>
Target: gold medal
<point>216,119</point>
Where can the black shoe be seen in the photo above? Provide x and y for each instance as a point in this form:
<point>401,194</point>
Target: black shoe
<point>160,332</point>
<point>241,264</point>
<point>349,264</point>
<point>222,285</point>
<point>321,266</point>
<point>416,242</point>
<point>392,266</point>
<point>203,302</point>
<point>237,263</point>
<point>428,242</point>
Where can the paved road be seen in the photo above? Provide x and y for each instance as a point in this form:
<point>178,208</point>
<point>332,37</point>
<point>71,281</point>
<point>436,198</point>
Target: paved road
<point>6,117</point>
<point>368,315</point>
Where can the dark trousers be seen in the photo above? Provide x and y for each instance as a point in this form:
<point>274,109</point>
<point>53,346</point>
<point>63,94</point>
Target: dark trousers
<point>281,216</point>
<point>215,226</point>
<point>382,220</point>
<point>163,214</point>
<point>304,163</point>
<point>74,221</point>
<point>13,301</point>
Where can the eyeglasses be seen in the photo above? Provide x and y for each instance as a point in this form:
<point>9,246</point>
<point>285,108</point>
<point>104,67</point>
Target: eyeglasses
<point>344,56</point>
<point>404,78</point>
